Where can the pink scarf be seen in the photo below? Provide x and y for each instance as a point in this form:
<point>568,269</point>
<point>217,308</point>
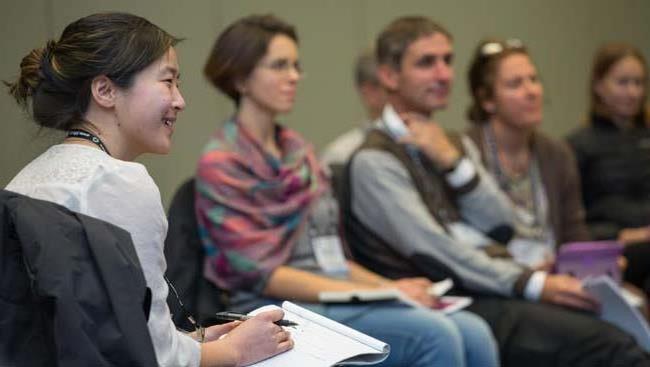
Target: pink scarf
<point>251,206</point>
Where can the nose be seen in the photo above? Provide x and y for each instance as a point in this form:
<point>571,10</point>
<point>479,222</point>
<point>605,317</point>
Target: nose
<point>534,88</point>
<point>178,102</point>
<point>635,89</point>
<point>295,74</point>
<point>444,72</point>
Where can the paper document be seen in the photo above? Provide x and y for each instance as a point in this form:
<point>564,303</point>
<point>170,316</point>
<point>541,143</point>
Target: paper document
<point>321,342</point>
<point>360,296</point>
<point>616,310</point>
<point>447,304</point>
<point>383,294</point>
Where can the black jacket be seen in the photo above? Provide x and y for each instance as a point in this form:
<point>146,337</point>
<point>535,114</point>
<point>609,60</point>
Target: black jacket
<point>72,292</point>
<point>614,166</point>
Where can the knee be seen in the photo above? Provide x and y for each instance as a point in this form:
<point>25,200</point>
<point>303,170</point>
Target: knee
<point>440,331</point>
<point>472,327</point>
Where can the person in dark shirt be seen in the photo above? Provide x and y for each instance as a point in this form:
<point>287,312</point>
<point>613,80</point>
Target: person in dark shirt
<point>613,153</point>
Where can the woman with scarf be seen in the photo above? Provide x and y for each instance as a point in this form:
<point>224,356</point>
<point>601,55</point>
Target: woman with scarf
<point>269,221</point>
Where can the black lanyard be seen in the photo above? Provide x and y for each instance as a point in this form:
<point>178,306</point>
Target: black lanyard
<point>200,329</point>
<point>83,134</point>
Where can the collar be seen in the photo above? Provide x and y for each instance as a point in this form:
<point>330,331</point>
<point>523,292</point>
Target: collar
<point>391,123</point>
<point>605,123</point>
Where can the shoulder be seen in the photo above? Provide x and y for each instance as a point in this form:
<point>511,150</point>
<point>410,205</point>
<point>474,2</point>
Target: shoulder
<point>370,163</point>
<point>581,137</point>
<point>341,148</point>
<point>130,176</point>
<point>547,143</point>
<point>555,150</point>
<point>64,173</point>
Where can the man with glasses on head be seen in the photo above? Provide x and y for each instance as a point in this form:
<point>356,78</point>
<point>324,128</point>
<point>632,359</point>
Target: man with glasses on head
<point>416,206</point>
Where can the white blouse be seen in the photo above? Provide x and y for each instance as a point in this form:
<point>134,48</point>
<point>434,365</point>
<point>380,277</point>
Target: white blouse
<point>86,180</point>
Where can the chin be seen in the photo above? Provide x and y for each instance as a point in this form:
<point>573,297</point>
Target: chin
<point>531,124</point>
<point>283,110</point>
<point>162,148</point>
<point>438,104</point>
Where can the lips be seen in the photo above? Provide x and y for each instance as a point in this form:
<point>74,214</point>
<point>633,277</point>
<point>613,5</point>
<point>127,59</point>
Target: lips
<point>290,94</point>
<point>439,90</point>
<point>169,121</point>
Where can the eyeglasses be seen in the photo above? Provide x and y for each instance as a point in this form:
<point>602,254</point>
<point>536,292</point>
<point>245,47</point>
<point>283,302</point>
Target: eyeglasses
<point>284,66</point>
<point>494,48</point>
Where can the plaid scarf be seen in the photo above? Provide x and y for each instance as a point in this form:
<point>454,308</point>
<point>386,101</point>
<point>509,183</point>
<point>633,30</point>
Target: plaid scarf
<point>250,205</point>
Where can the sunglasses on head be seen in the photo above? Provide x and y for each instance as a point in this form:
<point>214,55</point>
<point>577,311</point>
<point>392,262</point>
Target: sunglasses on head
<point>494,48</point>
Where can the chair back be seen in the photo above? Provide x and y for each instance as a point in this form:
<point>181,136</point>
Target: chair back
<point>184,255</point>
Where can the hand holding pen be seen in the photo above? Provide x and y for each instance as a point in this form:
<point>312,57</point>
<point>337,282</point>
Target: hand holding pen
<point>253,340</point>
<point>232,316</point>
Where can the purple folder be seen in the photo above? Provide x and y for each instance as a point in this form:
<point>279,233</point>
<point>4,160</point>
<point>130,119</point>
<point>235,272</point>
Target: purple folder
<point>583,259</point>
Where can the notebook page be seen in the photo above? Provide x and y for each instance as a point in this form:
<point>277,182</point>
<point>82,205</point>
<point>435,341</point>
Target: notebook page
<point>314,344</point>
<point>377,345</point>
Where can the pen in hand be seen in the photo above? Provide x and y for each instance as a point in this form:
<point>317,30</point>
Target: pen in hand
<point>232,316</point>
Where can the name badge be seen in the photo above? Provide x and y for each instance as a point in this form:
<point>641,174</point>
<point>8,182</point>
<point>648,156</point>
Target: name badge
<point>329,254</point>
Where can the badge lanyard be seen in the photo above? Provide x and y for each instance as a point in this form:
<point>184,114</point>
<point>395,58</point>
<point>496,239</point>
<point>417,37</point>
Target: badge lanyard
<point>327,247</point>
<point>83,134</point>
<point>533,172</point>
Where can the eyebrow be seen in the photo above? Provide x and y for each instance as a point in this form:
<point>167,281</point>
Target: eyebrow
<point>435,56</point>
<point>172,70</point>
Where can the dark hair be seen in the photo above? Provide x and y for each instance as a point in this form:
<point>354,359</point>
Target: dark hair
<point>605,58</point>
<point>240,47</point>
<point>393,41</point>
<point>482,72</point>
<point>57,78</point>
<point>365,68</point>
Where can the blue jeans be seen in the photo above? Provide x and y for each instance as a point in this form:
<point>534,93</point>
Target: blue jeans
<point>420,337</point>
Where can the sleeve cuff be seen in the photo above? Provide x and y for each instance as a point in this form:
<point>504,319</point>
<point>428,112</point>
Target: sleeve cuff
<point>535,286</point>
<point>463,174</point>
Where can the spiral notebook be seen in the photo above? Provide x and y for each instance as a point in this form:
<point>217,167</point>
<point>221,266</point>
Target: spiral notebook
<point>321,342</point>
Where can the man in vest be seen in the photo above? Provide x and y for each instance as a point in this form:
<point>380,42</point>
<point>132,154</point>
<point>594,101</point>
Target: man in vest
<point>417,207</point>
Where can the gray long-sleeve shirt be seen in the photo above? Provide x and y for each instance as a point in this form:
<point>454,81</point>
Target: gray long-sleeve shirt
<point>386,201</point>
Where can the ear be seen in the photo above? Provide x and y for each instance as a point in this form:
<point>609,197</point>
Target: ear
<point>599,88</point>
<point>388,77</point>
<point>103,91</point>
<point>240,86</point>
<point>487,103</point>
<point>489,106</point>
<point>365,90</point>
